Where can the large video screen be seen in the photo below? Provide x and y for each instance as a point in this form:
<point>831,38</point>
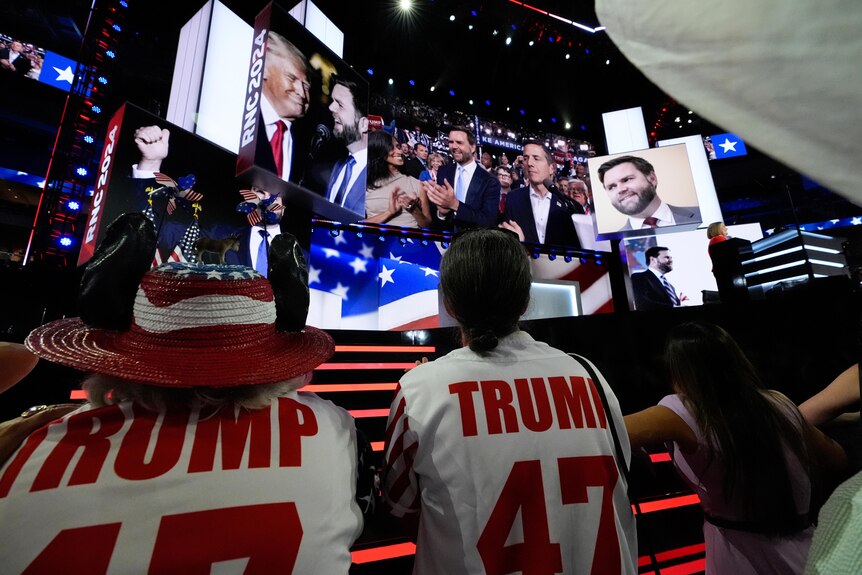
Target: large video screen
<point>27,60</point>
<point>645,192</point>
<point>306,116</point>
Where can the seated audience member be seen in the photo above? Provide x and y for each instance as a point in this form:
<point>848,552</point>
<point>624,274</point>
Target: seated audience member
<point>466,448</point>
<point>745,451</point>
<point>392,197</point>
<point>835,548</point>
<point>196,449</point>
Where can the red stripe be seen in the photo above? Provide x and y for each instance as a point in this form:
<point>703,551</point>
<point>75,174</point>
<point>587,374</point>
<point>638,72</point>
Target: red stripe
<point>78,394</point>
<point>429,322</point>
<point>645,560</point>
<point>334,366</point>
<point>350,387</point>
<point>399,411</point>
<point>364,413</point>
<point>696,566</point>
<point>377,446</point>
<point>669,503</point>
<point>659,457</point>
<point>386,348</point>
<point>383,553</point>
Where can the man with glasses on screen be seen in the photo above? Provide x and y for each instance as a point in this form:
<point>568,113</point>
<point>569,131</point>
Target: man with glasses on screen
<point>286,92</point>
<point>631,183</point>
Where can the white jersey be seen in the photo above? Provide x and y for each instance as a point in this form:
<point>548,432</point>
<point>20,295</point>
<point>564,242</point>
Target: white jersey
<point>509,460</point>
<point>123,490</point>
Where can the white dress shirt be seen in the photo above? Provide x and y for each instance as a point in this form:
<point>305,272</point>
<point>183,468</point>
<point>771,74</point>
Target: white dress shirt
<point>361,158</point>
<point>662,214</point>
<point>541,209</point>
<point>270,119</point>
<point>255,239</point>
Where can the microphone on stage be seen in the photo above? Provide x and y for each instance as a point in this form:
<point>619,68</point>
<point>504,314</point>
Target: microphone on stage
<point>571,205</point>
<point>322,134</point>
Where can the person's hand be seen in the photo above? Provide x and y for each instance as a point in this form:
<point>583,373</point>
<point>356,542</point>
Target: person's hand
<point>682,297</point>
<point>395,201</point>
<point>513,226</point>
<point>418,363</point>
<point>153,143</point>
<point>15,431</point>
<point>408,202</point>
<point>442,196</point>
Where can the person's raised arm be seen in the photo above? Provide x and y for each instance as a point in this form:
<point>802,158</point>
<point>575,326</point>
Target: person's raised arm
<point>835,399</point>
<point>659,424</point>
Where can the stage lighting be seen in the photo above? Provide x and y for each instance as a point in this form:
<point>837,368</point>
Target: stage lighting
<point>124,4</point>
<point>405,5</point>
<point>391,81</point>
<point>583,260</point>
<point>598,261</point>
<point>553,120</point>
<point>451,92</point>
<point>82,171</point>
<point>568,259</point>
<point>359,235</point>
<point>65,241</point>
<point>89,139</point>
<point>424,242</point>
<point>96,109</point>
<point>508,40</point>
<point>444,245</point>
<point>72,205</point>
<point>568,125</point>
<point>471,102</point>
<point>452,18</point>
<point>103,80</point>
<point>402,241</point>
<point>552,256</point>
<point>412,82</point>
<point>531,42</point>
<point>522,112</point>
<point>536,255</point>
<point>432,88</point>
<point>334,233</point>
<point>568,56</point>
<point>370,71</point>
<point>382,237</point>
<point>110,54</point>
<point>117,27</point>
<point>487,102</point>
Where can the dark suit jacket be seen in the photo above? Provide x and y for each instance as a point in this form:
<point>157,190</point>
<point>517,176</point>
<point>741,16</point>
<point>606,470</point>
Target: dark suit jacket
<point>681,215</point>
<point>560,229</point>
<point>481,205</point>
<point>22,63</point>
<point>355,201</point>
<point>413,167</point>
<point>299,152</point>
<point>649,292</point>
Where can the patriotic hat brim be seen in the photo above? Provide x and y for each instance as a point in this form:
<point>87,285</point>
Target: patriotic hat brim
<point>190,332</point>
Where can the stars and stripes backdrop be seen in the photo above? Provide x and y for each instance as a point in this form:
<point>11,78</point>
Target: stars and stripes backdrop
<point>392,284</point>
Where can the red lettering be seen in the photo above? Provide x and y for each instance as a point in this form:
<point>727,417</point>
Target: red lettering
<point>84,550</point>
<point>82,433</point>
<point>536,406</point>
<point>130,463</point>
<point>497,396</point>
<point>291,430</point>
<point>572,402</point>
<point>578,473</point>
<point>231,429</point>
<point>465,390</point>
<point>21,458</point>
<point>189,543</point>
<point>525,491</point>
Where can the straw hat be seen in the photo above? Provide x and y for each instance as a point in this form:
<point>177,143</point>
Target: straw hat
<point>191,324</point>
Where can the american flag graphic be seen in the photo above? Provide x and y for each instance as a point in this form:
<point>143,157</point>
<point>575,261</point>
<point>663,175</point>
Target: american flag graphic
<point>392,284</point>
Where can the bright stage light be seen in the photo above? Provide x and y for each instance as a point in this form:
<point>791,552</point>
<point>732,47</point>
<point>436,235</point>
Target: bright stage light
<point>405,5</point>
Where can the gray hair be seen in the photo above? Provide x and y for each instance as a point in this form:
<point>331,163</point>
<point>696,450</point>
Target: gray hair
<point>103,390</point>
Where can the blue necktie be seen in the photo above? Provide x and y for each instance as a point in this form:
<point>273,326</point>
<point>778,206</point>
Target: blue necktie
<point>459,184</point>
<point>262,263</point>
<point>671,293</point>
<point>342,189</point>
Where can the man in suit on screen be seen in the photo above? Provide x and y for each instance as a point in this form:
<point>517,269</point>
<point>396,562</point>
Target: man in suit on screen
<point>286,92</point>
<point>463,196</point>
<point>630,182</point>
<point>350,125</point>
<point>651,288</point>
<point>532,211</point>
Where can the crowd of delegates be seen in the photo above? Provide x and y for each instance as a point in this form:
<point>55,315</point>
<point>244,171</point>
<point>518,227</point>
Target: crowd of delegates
<point>21,58</point>
<point>490,451</point>
<point>412,186</point>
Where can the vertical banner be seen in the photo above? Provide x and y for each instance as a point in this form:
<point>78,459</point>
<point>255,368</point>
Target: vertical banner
<point>100,193</point>
<point>250,125</point>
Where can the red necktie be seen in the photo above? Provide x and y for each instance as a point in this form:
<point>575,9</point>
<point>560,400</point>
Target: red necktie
<point>503,203</point>
<point>277,143</point>
<point>651,222</point>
